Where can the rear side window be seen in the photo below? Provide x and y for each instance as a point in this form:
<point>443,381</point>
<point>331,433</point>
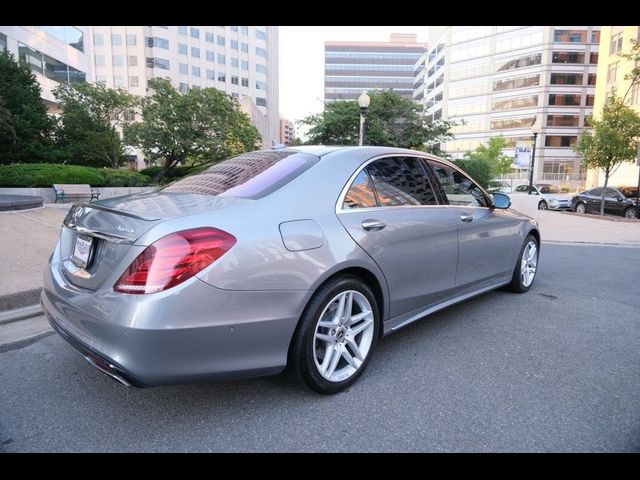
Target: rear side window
<point>401,181</point>
<point>250,175</point>
<point>360,193</point>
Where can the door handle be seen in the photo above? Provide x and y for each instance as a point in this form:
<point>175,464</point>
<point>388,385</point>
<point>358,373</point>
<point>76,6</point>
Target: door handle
<point>466,218</point>
<point>373,225</point>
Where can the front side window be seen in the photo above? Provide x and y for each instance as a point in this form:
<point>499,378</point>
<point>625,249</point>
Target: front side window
<point>360,193</point>
<point>401,181</point>
<point>457,187</point>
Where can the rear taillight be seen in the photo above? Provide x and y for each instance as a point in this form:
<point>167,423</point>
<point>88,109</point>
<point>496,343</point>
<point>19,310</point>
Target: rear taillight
<point>174,259</point>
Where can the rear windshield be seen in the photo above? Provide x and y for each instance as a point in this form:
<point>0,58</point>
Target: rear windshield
<point>250,175</point>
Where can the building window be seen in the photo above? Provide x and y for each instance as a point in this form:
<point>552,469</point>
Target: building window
<point>615,46</point>
<point>595,36</point>
<point>593,58</point>
<point>590,100</point>
<point>567,57</point>
<point>98,39</point>
<point>221,59</point>
<point>101,79</point>
<point>133,81</point>
<point>132,61</point>
<point>261,85</point>
<point>261,102</point>
<point>222,77</point>
<point>592,79</point>
<point>563,120</point>
<point>612,72</point>
<point>183,68</point>
<point>570,36</point>
<point>158,42</point>
<point>183,87</point>
<point>131,39</point>
<point>183,49</point>
<point>244,30</point>
<point>261,52</point>
<point>117,60</point>
<point>245,82</point>
<point>208,36</point>
<point>261,68</point>
<point>234,44</point>
<point>211,75</point>
<point>634,98</point>
<point>195,71</point>
<point>566,99</point>
<point>158,63</point>
<point>244,64</point>
<point>508,104</point>
<point>195,33</point>
<point>511,64</point>
<point>513,122</point>
<point>560,140</point>
<point>99,60</point>
<point>513,83</point>
<point>260,35</point>
<point>234,62</point>
<point>182,30</point>
<point>116,39</point>
<point>195,52</point>
<point>66,34</point>
<point>234,79</point>
<point>566,79</point>
<point>211,56</point>
<point>118,81</point>
<point>233,28</point>
<point>244,47</point>
<point>220,40</point>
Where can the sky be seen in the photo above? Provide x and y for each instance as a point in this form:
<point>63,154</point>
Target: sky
<point>302,62</point>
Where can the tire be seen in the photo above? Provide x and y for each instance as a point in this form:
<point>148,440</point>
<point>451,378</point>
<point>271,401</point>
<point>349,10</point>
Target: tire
<point>518,283</point>
<point>542,205</point>
<point>313,338</point>
<point>631,212</point>
<point>581,208</point>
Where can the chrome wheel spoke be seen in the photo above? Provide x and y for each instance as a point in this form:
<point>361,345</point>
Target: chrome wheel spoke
<point>340,310</point>
<point>354,347</point>
<point>359,316</point>
<point>325,338</point>
<point>350,360</point>
<point>361,327</point>
<point>336,353</point>
<point>348,307</point>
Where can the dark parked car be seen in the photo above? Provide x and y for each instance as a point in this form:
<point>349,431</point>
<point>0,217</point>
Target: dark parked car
<point>617,201</point>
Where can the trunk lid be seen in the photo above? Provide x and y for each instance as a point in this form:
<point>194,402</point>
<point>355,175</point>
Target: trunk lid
<point>112,227</point>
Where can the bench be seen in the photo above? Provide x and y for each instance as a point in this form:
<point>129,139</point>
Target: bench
<point>75,190</point>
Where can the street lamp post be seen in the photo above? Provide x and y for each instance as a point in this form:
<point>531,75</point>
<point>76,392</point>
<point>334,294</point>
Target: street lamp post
<point>363,101</point>
<point>535,130</point>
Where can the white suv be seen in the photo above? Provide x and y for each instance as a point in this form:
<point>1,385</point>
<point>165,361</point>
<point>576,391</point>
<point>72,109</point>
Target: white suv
<point>551,197</point>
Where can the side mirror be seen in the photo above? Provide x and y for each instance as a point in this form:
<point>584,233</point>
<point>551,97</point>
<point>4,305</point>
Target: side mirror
<point>500,200</point>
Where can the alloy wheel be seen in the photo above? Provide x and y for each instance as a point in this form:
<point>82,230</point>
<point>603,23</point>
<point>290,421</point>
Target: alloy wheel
<point>529,263</point>
<point>580,208</point>
<point>631,213</point>
<point>542,206</point>
<point>343,336</point>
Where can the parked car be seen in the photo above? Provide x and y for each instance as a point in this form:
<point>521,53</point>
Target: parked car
<point>617,201</point>
<point>551,196</point>
<point>300,256</point>
<point>498,186</point>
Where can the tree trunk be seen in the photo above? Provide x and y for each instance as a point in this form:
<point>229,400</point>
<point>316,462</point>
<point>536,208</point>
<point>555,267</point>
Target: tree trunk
<point>166,166</point>
<point>604,190</point>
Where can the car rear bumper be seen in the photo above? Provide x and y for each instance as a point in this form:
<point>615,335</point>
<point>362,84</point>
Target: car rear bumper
<point>194,333</point>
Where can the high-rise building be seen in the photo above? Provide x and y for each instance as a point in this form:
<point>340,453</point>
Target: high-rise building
<point>239,60</point>
<point>351,67</point>
<point>56,55</point>
<point>612,70</point>
<point>287,131</point>
<point>501,80</point>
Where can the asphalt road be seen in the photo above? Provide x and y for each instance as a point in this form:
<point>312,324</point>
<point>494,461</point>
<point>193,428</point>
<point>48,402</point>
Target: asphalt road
<point>556,369</point>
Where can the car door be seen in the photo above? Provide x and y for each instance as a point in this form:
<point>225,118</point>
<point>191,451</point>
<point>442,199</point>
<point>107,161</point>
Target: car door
<point>487,237</point>
<point>592,200</point>
<point>613,202</point>
<point>390,210</point>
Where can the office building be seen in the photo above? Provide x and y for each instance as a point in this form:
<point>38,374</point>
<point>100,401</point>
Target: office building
<point>612,70</point>
<point>287,131</point>
<point>500,80</point>
<point>60,54</point>
<point>351,67</point>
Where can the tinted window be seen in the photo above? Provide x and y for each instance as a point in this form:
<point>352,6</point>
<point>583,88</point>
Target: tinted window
<point>401,181</point>
<point>458,188</point>
<point>522,188</point>
<point>596,192</point>
<point>250,175</point>
<point>612,192</point>
<point>360,193</point>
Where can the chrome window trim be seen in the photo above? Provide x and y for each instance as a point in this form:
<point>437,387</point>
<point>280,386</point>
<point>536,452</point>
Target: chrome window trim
<point>422,156</point>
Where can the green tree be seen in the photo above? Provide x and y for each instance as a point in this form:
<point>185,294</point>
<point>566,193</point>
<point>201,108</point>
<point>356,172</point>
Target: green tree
<point>201,126</point>
<point>88,131</point>
<point>611,141</point>
<point>480,169</point>
<point>391,120</point>
<point>25,127</point>
<point>493,153</point>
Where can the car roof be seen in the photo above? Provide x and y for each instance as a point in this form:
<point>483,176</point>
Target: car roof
<point>322,150</point>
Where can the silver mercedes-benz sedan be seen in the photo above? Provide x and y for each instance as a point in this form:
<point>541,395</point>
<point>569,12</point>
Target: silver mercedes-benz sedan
<point>300,256</point>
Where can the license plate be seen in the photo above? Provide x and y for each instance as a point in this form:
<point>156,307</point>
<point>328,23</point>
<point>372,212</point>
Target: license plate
<point>82,250</point>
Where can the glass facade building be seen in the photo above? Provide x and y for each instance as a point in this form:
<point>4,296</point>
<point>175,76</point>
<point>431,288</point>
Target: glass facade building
<point>500,80</point>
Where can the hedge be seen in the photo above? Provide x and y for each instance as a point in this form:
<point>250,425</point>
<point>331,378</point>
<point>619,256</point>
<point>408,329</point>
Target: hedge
<point>46,174</point>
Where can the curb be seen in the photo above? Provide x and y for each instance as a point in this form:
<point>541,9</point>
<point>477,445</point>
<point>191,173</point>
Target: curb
<point>24,342</point>
<point>18,300</point>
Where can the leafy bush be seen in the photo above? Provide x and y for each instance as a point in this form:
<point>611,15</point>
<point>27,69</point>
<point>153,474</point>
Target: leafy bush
<point>46,174</point>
